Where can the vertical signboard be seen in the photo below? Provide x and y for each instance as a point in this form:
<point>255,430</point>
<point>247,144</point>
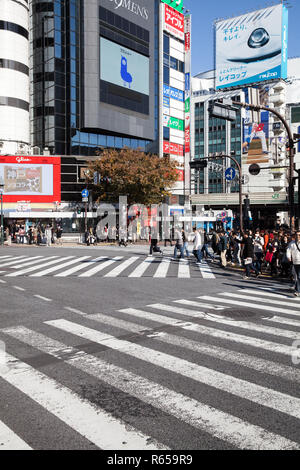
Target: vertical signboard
<point>174,22</point>
<point>252,48</point>
<point>176,4</point>
<point>187,46</point>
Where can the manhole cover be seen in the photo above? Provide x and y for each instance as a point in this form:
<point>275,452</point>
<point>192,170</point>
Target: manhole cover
<point>240,313</point>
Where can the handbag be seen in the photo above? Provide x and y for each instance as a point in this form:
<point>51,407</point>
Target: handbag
<point>248,261</point>
<point>269,257</point>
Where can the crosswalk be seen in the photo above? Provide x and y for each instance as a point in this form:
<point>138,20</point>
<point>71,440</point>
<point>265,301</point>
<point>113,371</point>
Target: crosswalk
<point>204,370</point>
<point>103,266</point>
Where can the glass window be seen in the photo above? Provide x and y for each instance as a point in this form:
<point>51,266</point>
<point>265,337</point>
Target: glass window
<point>110,141</point>
<point>166,75</point>
<point>102,141</point>
<point>166,133</point>
<point>296,115</point>
<point>173,63</point>
<point>118,142</point>
<point>166,44</point>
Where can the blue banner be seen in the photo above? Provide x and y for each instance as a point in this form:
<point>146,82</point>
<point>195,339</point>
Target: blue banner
<point>173,93</point>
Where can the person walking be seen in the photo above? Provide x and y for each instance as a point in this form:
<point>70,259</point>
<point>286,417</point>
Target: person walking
<point>185,240</point>
<point>223,243</point>
<point>59,235</point>
<point>197,245</point>
<point>258,250</point>
<point>178,243</point>
<point>205,247</point>
<point>154,245</point>
<point>293,255</point>
<point>248,256</point>
<point>48,235</point>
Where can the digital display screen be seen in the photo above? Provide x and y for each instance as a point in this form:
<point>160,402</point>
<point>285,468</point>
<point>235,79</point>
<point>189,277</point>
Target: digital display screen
<point>124,67</point>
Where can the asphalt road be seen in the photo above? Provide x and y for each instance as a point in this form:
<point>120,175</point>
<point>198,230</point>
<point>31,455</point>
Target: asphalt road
<point>143,354</point>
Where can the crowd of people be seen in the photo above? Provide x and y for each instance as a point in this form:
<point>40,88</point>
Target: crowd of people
<point>40,234</point>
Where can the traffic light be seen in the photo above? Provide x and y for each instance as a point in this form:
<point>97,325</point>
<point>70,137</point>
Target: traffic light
<point>78,210</point>
<point>198,164</point>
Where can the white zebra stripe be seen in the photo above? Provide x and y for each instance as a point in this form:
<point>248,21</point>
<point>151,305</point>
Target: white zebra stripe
<point>206,271</point>
<point>263,292</point>
<point>119,269</point>
<point>251,305</point>
<point>15,261</point>
<point>184,269</point>
<point>262,299</point>
<point>241,388</point>
<point>93,423</point>
<point>7,256</point>
<point>140,270</point>
<point>100,267</point>
<point>10,441</point>
<point>163,268</point>
<point>59,266</point>
<point>32,263</point>
<point>33,268</point>
<point>75,269</point>
<point>210,420</point>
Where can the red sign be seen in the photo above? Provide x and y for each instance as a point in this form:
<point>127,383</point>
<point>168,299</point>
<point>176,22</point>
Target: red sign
<point>34,179</point>
<point>173,149</point>
<point>187,140</point>
<point>187,42</point>
<point>174,22</point>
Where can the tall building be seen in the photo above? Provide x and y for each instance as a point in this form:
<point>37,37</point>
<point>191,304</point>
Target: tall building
<point>14,77</point>
<point>99,72</point>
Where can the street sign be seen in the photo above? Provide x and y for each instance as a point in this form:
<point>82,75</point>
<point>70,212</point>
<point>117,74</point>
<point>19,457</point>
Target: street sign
<point>85,199</point>
<point>254,169</point>
<point>85,193</point>
<point>222,111</point>
<point>230,174</point>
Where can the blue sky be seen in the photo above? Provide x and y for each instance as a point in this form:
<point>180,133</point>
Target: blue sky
<point>204,12</point>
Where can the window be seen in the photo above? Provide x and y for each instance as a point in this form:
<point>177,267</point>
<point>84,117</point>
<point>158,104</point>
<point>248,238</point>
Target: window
<point>296,115</point>
<point>166,75</point>
<point>166,44</point>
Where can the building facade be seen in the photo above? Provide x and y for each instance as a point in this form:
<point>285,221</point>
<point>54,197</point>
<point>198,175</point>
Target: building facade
<point>268,191</point>
<point>14,76</point>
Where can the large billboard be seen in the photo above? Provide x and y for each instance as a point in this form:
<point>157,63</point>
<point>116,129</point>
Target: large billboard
<point>252,48</point>
<point>37,179</point>
<point>124,67</point>
<point>174,22</point>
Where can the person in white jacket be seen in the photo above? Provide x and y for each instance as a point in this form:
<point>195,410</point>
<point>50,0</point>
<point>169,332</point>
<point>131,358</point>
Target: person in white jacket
<point>293,254</point>
<point>197,246</point>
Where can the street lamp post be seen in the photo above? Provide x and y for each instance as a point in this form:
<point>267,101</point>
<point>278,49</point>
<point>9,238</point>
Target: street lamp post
<point>1,194</point>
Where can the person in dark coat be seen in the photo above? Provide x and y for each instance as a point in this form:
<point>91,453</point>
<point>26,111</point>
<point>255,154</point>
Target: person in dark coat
<point>248,255</point>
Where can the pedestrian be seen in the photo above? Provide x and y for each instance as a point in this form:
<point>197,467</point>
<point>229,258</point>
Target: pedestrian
<point>185,240</point>
<point>30,236</point>
<point>122,237</point>
<point>293,255</point>
<point>223,246</point>
<point>48,235</point>
<point>59,235</point>
<point>248,256</point>
<point>258,250</point>
<point>178,243</point>
<point>205,246</point>
<point>154,244</point>
<point>197,246</point>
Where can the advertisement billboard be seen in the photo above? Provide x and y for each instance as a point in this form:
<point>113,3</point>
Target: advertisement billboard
<point>187,132</point>
<point>173,93</point>
<point>35,178</point>
<point>252,48</point>
<point>173,149</point>
<point>173,123</point>
<point>256,134</point>
<point>176,4</point>
<point>174,22</point>
<point>124,67</point>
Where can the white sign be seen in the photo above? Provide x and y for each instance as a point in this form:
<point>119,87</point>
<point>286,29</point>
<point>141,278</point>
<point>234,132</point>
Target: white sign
<point>134,7</point>
<point>252,48</point>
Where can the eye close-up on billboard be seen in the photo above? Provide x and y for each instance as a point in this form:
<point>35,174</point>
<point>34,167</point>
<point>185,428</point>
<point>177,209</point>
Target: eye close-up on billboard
<point>252,48</point>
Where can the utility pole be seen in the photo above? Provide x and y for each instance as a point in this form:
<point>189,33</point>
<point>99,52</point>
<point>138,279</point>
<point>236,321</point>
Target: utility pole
<point>291,148</point>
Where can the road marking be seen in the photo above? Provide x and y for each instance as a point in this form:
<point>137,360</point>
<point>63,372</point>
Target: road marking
<point>118,323</point>
<point>183,269</point>
<point>93,423</point>
<point>206,271</point>
<point>163,268</point>
<point>74,310</point>
<point>184,311</point>
<point>100,267</point>
<point>288,299</point>
<point>140,270</point>
<point>210,420</point>
<point>59,266</point>
<point>150,316</point>
<point>15,261</point>
<point>3,282</point>
<point>10,441</point>
<point>33,268</point>
<point>7,256</point>
<point>119,269</point>
<point>80,267</point>
<point>42,298</point>
<point>260,299</point>
<point>224,335</point>
<point>282,320</point>
<point>19,288</point>
<point>32,263</point>
<point>244,389</point>
<point>251,305</point>
<point>198,304</point>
